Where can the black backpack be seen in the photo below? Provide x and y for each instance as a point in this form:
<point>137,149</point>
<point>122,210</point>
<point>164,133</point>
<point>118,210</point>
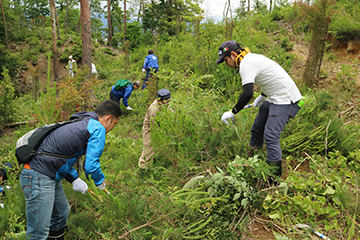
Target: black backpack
<point>27,145</point>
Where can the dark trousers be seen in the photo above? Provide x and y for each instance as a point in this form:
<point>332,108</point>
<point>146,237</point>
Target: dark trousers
<point>149,75</point>
<point>114,97</point>
<point>268,125</point>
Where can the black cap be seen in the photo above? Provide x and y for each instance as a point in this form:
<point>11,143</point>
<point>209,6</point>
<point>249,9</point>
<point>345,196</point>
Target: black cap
<point>163,94</point>
<point>225,49</point>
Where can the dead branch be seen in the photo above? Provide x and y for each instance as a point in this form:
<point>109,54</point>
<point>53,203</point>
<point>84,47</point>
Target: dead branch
<point>290,26</point>
<point>149,224</point>
<point>19,123</point>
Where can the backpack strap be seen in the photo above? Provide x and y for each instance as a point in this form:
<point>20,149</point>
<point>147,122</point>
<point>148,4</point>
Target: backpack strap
<point>52,155</point>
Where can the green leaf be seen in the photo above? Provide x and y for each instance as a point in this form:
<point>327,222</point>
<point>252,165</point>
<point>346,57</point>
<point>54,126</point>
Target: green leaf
<point>322,200</point>
<point>329,190</point>
<point>274,215</point>
<point>280,237</point>
<point>337,201</point>
<point>268,198</point>
<point>236,196</point>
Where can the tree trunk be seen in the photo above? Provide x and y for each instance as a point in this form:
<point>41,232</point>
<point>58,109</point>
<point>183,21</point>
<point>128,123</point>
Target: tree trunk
<point>66,13</point>
<point>57,24</point>
<point>319,30</point>
<point>86,34</point>
<point>3,14</point>
<point>54,46</point>
<point>138,20</point>
<point>124,21</point>
<point>314,58</point>
<point>109,23</point>
<point>270,5</point>
<point>143,11</point>
<point>248,5</point>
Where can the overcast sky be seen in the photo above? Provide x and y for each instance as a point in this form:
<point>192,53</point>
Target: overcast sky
<point>215,8</point>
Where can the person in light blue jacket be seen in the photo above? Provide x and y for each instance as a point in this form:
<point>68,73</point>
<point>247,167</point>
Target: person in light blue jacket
<point>150,66</point>
<point>124,94</point>
<point>47,208</point>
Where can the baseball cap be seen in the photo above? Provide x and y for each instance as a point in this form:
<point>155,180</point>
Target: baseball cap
<point>225,49</point>
<point>163,94</point>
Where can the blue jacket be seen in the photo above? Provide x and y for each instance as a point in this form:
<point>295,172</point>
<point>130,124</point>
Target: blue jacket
<point>123,93</point>
<point>74,139</point>
<point>150,62</point>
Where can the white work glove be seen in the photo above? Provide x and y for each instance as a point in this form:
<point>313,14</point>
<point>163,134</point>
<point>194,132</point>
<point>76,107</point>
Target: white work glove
<point>80,186</point>
<point>143,70</point>
<point>102,186</point>
<point>227,115</point>
<point>259,100</point>
<point>128,108</point>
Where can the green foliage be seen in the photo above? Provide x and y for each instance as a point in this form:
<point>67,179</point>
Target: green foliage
<point>8,61</point>
<point>316,197</point>
<point>345,78</point>
<point>75,50</point>
<point>45,109</point>
<point>316,129</point>
<point>7,105</point>
<point>179,15</point>
<point>219,196</point>
<point>345,21</point>
<point>223,188</point>
<point>12,216</point>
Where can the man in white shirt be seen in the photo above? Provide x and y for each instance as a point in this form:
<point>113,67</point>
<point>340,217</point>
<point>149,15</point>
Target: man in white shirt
<point>277,102</point>
<point>93,70</point>
<point>72,67</point>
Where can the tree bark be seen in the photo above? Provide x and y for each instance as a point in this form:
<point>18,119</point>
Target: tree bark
<point>248,5</point>
<point>66,13</point>
<point>54,46</point>
<point>109,23</point>
<point>124,21</point>
<point>86,34</point>
<point>3,14</point>
<point>57,24</point>
<point>138,19</point>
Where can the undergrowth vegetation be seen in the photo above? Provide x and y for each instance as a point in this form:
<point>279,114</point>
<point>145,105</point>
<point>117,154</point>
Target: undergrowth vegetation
<point>203,183</point>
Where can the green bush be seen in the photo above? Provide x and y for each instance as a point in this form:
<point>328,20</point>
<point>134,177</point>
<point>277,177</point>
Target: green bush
<point>7,105</point>
<point>345,23</point>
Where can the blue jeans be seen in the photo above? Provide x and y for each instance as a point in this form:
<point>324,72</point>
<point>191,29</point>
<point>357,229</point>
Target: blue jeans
<point>149,74</point>
<point>47,208</point>
<point>268,125</point>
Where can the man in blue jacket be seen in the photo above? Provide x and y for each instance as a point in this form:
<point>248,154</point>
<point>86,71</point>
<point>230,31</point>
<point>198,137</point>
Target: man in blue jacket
<point>124,93</point>
<point>150,66</point>
<point>47,208</point>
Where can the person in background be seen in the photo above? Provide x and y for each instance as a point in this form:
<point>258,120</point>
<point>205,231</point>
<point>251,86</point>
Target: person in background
<point>124,94</point>
<point>150,66</point>
<point>93,70</point>
<point>278,101</point>
<point>163,98</point>
<point>71,67</point>
<point>4,174</point>
<point>47,208</point>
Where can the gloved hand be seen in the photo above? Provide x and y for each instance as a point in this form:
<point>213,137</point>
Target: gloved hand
<point>80,186</point>
<point>143,70</point>
<point>259,100</point>
<point>227,115</point>
<point>102,186</point>
<point>128,108</point>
